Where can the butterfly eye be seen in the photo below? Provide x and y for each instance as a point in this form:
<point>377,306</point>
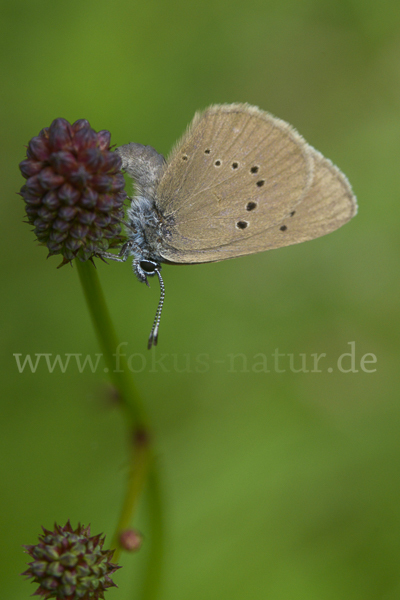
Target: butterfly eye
<point>148,266</point>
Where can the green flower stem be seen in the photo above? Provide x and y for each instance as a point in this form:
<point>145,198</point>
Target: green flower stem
<point>107,338</point>
<point>141,459</point>
<point>153,573</point>
<point>142,464</point>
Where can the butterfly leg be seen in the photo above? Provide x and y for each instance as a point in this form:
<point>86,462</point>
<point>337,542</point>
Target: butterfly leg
<point>111,256</point>
<point>122,256</point>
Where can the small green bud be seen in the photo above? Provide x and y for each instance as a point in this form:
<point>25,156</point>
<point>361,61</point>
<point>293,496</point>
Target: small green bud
<point>72,564</point>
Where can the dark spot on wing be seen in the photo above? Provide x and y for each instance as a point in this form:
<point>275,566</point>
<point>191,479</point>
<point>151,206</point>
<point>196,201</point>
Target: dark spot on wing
<point>241,224</point>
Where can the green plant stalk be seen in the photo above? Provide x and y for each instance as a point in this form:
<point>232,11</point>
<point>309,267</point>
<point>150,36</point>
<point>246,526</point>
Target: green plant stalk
<point>142,463</point>
<point>151,582</point>
<point>108,342</point>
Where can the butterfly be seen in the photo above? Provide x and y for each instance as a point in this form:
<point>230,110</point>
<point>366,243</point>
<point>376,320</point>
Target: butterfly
<point>239,181</point>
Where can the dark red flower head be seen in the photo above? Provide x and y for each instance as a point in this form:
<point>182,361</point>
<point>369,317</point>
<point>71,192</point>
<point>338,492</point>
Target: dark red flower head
<point>74,190</point>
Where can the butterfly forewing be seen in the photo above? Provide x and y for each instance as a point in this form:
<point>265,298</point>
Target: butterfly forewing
<point>235,173</point>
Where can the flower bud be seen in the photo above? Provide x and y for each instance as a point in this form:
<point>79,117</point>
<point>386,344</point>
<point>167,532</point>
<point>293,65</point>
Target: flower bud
<point>74,185</point>
<point>130,540</point>
<point>70,565</point>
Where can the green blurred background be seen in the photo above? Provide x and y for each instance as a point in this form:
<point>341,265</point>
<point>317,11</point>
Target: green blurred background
<point>276,485</point>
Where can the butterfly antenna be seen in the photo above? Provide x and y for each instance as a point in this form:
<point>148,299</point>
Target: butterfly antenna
<point>153,338</point>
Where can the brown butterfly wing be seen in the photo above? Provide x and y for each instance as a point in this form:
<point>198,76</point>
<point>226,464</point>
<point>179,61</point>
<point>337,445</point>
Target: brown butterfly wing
<point>235,173</point>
